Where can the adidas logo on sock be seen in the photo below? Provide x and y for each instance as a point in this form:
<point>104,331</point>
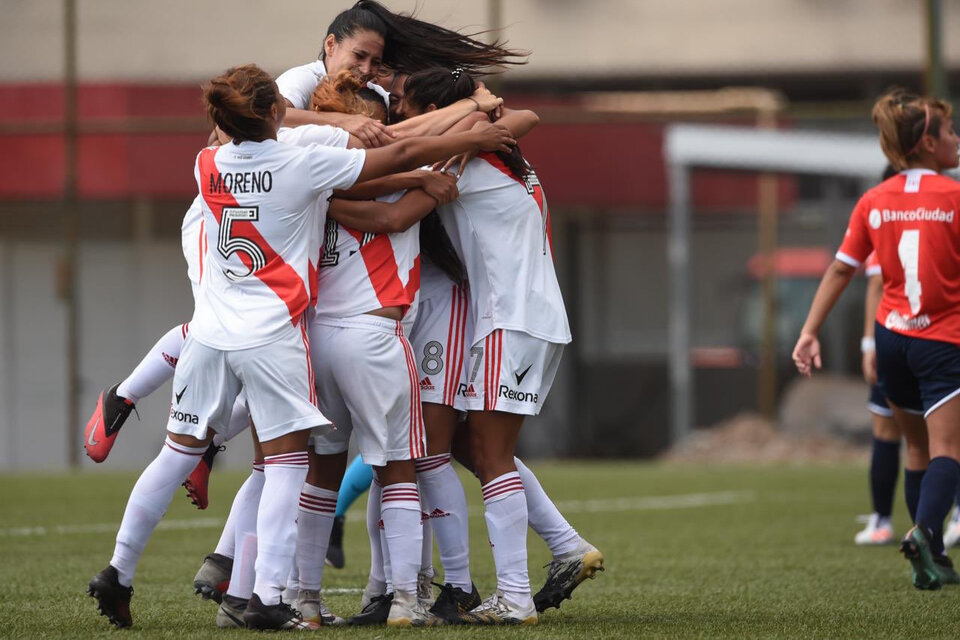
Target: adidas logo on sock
<point>437,513</point>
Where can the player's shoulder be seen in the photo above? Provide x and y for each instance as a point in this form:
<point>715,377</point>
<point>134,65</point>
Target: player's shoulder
<point>315,68</point>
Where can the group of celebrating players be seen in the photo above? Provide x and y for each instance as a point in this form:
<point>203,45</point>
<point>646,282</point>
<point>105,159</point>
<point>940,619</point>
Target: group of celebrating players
<point>370,255</point>
<point>907,231</point>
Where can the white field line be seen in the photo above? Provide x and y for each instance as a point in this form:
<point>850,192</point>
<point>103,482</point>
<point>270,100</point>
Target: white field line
<point>594,505</point>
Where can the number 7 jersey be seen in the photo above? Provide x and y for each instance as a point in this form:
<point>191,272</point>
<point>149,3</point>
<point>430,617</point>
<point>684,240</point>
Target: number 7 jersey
<point>911,222</point>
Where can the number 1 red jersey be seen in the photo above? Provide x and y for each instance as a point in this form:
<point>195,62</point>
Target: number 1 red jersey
<point>911,222</point>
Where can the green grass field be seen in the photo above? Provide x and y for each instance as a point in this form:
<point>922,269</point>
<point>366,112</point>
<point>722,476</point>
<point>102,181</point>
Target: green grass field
<point>733,552</point>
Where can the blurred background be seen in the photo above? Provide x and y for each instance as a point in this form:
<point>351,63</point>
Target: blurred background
<point>686,278</point>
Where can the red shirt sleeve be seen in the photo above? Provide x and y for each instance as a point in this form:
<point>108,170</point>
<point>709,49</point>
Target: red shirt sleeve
<point>857,245</point>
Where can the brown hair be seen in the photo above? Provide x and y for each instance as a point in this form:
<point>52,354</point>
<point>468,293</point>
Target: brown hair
<point>339,95</point>
<point>903,118</point>
<point>239,102</point>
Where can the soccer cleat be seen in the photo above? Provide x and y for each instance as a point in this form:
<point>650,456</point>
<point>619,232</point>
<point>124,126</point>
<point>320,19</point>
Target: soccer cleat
<point>407,610</point>
<point>952,535</point>
<point>198,481</point>
<point>565,573</point>
<point>230,614</point>
<point>102,427</point>
<point>335,550</point>
<point>425,589</point>
<point>276,617</point>
<point>454,601</point>
<point>878,531</point>
<point>213,578</point>
<point>113,599</point>
<point>312,608</point>
<point>498,610</point>
<point>915,547</point>
<point>375,612</point>
<point>945,570</point>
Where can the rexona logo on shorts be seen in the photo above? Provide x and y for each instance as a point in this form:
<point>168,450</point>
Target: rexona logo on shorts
<point>519,396</point>
<point>879,216</point>
<point>184,417</point>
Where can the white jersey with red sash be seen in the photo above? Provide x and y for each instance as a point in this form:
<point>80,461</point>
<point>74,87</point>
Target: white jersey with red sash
<point>260,209</point>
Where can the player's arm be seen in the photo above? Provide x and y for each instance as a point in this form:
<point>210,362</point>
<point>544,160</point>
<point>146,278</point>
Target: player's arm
<point>519,123</point>
<point>371,189</point>
<point>369,132</point>
<point>370,216</point>
<point>806,354</point>
<point>409,154</point>
<point>439,121</point>
<point>867,345</point>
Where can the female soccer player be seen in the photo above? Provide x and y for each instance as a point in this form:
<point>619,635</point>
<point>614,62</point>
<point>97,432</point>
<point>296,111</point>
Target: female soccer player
<point>248,324</point>
<point>500,229</point>
<point>911,222</point>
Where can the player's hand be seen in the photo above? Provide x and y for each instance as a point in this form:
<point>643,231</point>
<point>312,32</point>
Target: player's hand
<point>370,132</point>
<point>806,355</point>
<point>486,101</point>
<point>494,137</point>
<point>442,187</point>
<point>869,365</point>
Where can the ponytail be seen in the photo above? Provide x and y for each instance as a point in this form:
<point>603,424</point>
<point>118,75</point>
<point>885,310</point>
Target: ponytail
<point>436,247</point>
<point>240,100</point>
<point>903,119</point>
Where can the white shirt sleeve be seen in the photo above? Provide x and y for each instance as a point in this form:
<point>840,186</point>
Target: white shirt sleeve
<point>297,85</point>
<point>334,168</point>
<point>314,134</point>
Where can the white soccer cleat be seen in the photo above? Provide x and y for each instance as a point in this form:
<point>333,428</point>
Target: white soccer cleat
<point>565,573</point>
<point>312,608</point>
<point>407,611</point>
<point>879,531</point>
<point>498,610</point>
<point>951,535</point>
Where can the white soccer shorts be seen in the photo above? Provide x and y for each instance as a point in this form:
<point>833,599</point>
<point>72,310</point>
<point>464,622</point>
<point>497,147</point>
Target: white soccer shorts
<point>277,378</point>
<point>366,377</point>
<point>440,337</point>
<point>509,371</point>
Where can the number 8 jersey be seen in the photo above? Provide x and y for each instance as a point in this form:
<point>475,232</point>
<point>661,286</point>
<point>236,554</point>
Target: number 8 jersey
<point>911,222</point>
<point>260,209</point>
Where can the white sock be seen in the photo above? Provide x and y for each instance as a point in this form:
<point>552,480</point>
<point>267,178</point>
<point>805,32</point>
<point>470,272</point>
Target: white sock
<point>251,488</point>
<point>314,523</point>
<point>544,516</point>
<point>243,515</point>
<point>377,580</point>
<point>148,502</point>
<point>156,367</point>
<point>284,475</point>
<point>446,505</point>
<point>400,512</point>
<point>426,546</point>
<point>506,515</point>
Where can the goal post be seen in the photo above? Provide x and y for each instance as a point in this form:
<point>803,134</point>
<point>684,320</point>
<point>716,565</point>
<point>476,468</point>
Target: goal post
<point>693,146</point>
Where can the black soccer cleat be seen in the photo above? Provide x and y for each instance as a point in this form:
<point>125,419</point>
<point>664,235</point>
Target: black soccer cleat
<point>565,573</point>
<point>277,617</point>
<point>113,599</point>
<point>374,613</point>
<point>335,551</point>
<point>454,601</point>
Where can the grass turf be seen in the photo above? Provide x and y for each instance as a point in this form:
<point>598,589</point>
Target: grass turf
<point>778,561</point>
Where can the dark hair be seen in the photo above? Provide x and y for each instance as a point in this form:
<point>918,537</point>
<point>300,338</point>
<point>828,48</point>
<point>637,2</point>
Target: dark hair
<point>903,118</point>
<point>239,102</point>
<point>436,247</point>
<point>411,44</point>
<point>888,172</point>
<point>442,87</point>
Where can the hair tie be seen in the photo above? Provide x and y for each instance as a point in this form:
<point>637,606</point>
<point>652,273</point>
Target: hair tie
<point>456,73</point>
<point>926,123</point>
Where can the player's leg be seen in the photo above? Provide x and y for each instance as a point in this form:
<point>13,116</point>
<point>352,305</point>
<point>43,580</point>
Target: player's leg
<point>884,469</point>
<point>115,403</point>
<point>356,482</point>
<point>187,438</point>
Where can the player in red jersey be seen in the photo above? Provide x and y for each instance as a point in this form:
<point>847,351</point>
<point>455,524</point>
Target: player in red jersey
<point>911,220</point>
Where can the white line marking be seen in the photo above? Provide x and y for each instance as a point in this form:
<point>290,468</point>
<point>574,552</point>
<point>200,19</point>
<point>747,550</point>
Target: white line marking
<point>595,505</point>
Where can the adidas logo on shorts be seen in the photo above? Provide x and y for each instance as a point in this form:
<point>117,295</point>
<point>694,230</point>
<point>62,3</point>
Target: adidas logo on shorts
<point>426,384</point>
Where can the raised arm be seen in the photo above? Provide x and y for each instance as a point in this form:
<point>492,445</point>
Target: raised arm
<point>371,133</point>
<point>439,121</point>
<point>806,354</point>
<point>370,216</point>
<point>416,152</point>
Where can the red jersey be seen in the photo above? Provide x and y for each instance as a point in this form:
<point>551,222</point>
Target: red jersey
<point>911,222</point>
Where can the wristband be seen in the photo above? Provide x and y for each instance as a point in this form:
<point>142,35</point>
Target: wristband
<point>867,344</point>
